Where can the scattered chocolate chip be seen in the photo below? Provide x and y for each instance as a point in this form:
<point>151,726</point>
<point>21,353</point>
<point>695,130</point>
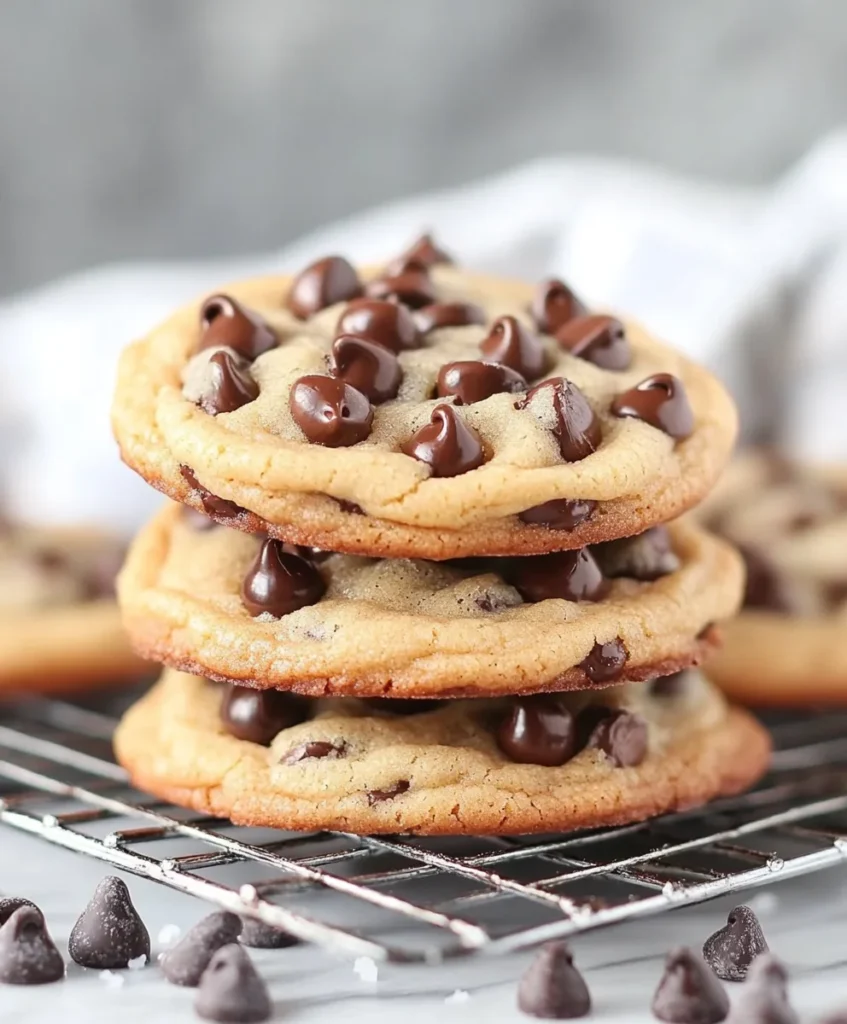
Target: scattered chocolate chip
<point>330,412</point>
<point>9,904</point>
<point>387,323</point>
<point>322,284</point>
<point>368,367</point>
<point>763,999</point>
<point>552,988</point>
<point>569,575</point>
<point>109,932</point>
<point>258,935</point>
<point>313,749</point>
<point>661,401</point>
<point>378,796</point>
<point>231,991</point>
<point>559,514</point>
<point>605,662</point>
<point>733,948</point>
<point>408,284</point>
<point>669,686</point>
<point>425,251</point>
<point>230,385</point>
<point>197,521</point>
<point>621,735</point>
<point>538,730</point>
<point>576,426</point>
<point>279,583</point>
<point>764,589</point>
<point>446,444</point>
<point>553,305</point>
<point>515,346</point>
<point>214,505</point>
<point>399,706</point>
<point>600,340</point>
<point>28,955</point>
<point>646,557</point>
<point>473,381</point>
<point>226,323</point>
<point>258,715</point>
<point>448,314</point>
<point>185,963</point>
<point>689,993</point>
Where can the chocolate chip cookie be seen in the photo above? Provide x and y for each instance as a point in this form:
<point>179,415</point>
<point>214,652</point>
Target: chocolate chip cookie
<point>237,607</point>
<point>417,410</point>
<point>790,522</point>
<point>512,765</point>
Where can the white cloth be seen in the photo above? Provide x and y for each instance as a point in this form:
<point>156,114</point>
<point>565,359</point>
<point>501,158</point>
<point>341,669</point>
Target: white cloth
<point>753,282</point>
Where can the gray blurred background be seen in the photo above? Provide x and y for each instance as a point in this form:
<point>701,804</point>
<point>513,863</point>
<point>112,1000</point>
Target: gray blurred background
<point>188,128</point>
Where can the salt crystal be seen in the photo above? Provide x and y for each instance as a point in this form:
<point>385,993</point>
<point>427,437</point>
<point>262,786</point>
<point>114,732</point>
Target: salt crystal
<point>138,964</point>
<point>169,934</point>
<point>111,980</point>
<point>366,969</point>
<point>459,996</point>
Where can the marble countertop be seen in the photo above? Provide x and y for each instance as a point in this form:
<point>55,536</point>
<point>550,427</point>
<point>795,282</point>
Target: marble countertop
<point>804,919</point>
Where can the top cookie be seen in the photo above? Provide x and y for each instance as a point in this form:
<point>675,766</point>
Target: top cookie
<point>419,411</point>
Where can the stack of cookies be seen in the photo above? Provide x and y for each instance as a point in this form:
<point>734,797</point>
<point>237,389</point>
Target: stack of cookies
<point>421,576</point>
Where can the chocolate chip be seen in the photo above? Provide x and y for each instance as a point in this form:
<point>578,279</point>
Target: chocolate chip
<point>226,323</point>
<point>552,988</point>
<point>689,993</point>
<point>605,661</point>
<point>9,904</point>
<point>279,583</point>
<point>569,575</point>
<point>446,444</point>
<point>330,412</point>
<point>764,588</point>
<point>229,386</point>
<point>387,323</point>
<point>231,991</point>
<point>513,345</point>
<point>185,963</point>
<point>258,715</point>
<point>763,998</point>
<point>322,284</point>
<point>109,932</point>
<point>214,505</point>
<point>733,948</point>
<point>425,251</point>
<point>313,749</point>
<point>350,507</point>
<point>399,706</point>
<point>448,314</point>
<point>366,366</point>
<point>661,401</point>
<point>28,955</point>
<point>621,735</point>
<point>600,340</point>
<point>197,521</point>
<point>378,796</point>
<point>553,305</point>
<point>559,514</point>
<point>408,284</point>
<point>646,557</point>
<point>575,426</point>
<point>258,935</point>
<point>538,730</point>
<point>473,381</point>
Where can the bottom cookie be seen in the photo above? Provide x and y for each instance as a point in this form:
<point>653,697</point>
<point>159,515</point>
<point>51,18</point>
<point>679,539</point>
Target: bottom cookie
<point>496,767</point>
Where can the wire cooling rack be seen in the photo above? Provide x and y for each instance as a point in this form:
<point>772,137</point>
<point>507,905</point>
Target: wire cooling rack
<point>406,899</point>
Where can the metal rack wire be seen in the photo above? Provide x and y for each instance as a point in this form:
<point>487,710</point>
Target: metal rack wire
<point>406,899</point>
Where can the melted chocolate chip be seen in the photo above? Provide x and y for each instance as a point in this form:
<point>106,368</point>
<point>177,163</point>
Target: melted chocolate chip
<point>513,345</point>
<point>399,706</point>
<point>569,575</point>
<point>279,583</point>
<point>553,305</point>
<point>669,686</point>
<point>605,661</point>
<point>366,366</point>
<point>378,796</point>
<point>231,991</point>
<point>473,381</point>
<point>552,988</point>
<point>227,323</point>
<point>350,507</point>
<point>189,958</point>
<point>259,935</point>
<point>313,749</point>
<point>214,505</point>
<point>646,557</point>
<point>109,932</point>
<point>258,715</point>
<point>387,323</point>
<point>230,385</point>
<point>621,735</point>
<point>425,251</point>
<point>409,285</point>
<point>448,314</point>
<point>576,428</point>
<point>28,955</point>
<point>600,340</point>
<point>689,993</point>
<point>538,730</point>
<point>559,514</point>
<point>322,284</point>
<point>732,949</point>
<point>764,589</point>
<point>446,444</point>
<point>661,401</point>
<point>330,412</point>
